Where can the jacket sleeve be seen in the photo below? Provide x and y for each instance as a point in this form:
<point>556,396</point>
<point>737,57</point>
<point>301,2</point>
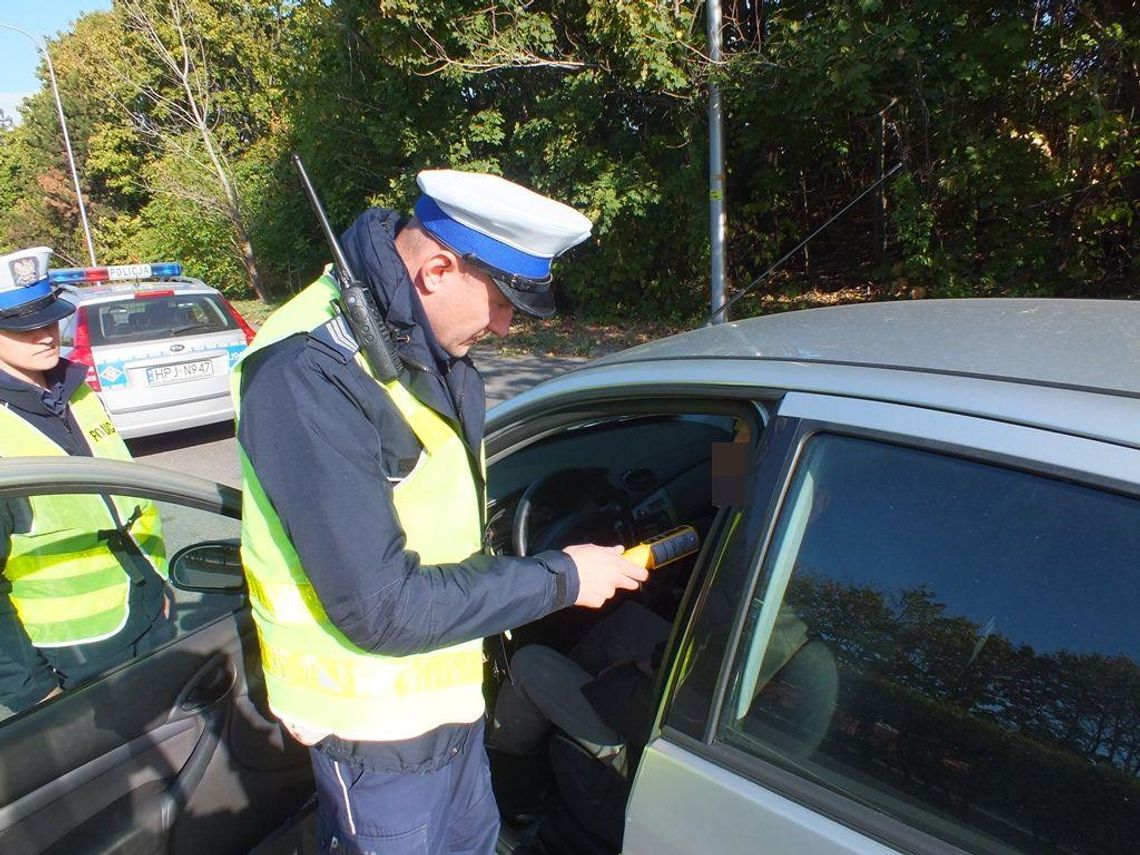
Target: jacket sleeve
<point>25,676</point>
<point>310,427</point>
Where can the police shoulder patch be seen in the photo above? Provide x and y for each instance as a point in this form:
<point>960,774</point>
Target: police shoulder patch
<point>336,335</point>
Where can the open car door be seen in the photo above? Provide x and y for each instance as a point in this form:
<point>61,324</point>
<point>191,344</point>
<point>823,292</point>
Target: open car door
<point>173,751</point>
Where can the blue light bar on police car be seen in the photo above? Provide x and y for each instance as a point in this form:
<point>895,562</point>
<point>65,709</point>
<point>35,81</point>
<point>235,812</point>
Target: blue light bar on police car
<point>114,273</point>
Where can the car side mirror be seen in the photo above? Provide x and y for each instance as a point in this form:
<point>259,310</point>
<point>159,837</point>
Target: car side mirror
<point>211,567</point>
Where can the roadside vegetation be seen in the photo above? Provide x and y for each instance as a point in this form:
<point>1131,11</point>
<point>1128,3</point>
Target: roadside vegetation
<point>562,335</point>
<point>1016,122</point>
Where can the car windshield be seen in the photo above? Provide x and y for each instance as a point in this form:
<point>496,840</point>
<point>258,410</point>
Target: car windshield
<point>145,318</point>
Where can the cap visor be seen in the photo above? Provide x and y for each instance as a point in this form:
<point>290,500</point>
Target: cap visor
<point>53,312</point>
<point>538,304</point>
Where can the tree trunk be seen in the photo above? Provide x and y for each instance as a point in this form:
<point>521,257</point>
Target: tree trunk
<point>185,61</point>
<point>249,262</point>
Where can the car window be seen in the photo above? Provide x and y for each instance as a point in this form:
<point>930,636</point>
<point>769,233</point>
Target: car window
<point>951,643</point>
<point>131,320</point>
<point>77,598</point>
<point>67,331</point>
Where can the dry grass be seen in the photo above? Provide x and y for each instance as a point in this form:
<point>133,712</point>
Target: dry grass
<point>568,336</point>
<point>254,311</point>
<point>752,305</point>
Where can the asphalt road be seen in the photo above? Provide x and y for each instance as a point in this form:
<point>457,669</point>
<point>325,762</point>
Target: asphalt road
<point>211,452</point>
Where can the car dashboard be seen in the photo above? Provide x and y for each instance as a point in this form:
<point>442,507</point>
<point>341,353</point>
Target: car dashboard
<point>619,481</point>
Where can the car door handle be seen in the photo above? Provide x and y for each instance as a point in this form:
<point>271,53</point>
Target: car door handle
<point>214,685</point>
<point>211,685</point>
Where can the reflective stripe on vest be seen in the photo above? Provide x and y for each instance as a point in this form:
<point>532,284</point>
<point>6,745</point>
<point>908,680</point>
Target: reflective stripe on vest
<point>67,585</point>
<point>318,680</point>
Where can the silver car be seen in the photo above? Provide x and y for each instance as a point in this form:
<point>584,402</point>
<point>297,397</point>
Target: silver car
<point>911,626</point>
<point>159,346</point>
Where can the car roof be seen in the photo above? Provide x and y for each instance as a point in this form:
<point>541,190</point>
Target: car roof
<point>126,287</point>
<point>1077,344</point>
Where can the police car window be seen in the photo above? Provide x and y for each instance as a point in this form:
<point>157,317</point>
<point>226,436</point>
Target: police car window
<point>953,644</point>
<point>143,319</point>
<point>78,598</point>
<point>67,331</point>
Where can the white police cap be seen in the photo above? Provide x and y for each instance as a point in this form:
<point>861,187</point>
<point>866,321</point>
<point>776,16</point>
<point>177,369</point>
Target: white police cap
<point>512,233</point>
<point>28,300</point>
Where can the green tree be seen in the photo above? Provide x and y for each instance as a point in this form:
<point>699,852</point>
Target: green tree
<point>591,102</point>
<point>1017,124</point>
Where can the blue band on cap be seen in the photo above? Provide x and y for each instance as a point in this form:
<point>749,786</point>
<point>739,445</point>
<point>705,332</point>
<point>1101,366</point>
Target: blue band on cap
<point>20,296</point>
<point>464,239</point>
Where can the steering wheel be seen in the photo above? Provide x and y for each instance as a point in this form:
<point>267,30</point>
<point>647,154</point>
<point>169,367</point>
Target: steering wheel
<point>593,508</point>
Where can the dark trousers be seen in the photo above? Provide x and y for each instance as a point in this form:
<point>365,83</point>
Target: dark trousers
<point>450,811</point>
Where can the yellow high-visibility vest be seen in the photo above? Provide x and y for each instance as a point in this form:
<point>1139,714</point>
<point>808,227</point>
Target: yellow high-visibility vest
<point>67,585</point>
<point>318,681</point>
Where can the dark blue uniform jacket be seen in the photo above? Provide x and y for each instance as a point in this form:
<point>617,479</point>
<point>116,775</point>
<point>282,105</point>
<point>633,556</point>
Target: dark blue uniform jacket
<point>327,444</point>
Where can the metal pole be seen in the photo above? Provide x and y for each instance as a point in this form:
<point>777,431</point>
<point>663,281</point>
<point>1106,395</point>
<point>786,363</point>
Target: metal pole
<point>717,310</point>
<point>66,138</point>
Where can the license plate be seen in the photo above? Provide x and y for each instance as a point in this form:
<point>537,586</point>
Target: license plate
<point>161,374</point>
<point>128,271</point>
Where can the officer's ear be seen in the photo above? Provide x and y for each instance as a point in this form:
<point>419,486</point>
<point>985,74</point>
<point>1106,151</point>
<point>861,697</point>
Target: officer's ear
<point>436,271</point>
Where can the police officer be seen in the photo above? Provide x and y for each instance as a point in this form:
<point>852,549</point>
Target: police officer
<point>81,576</point>
<point>363,512</point>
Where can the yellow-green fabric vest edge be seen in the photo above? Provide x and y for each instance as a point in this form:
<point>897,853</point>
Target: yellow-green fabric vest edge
<point>68,588</point>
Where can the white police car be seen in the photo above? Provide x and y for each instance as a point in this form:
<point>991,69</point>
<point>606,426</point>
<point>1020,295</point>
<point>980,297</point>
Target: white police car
<point>158,346</point>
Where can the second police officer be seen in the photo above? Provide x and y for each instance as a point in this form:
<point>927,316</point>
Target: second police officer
<point>82,577</point>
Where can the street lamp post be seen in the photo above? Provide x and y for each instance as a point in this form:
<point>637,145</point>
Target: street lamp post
<point>66,139</point>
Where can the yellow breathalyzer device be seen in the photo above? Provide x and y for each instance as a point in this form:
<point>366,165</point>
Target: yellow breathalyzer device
<point>664,548</point>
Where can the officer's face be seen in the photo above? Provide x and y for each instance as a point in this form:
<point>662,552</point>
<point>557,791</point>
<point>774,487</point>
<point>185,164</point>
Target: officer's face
<point>477,308</point>
<point>26,354</point>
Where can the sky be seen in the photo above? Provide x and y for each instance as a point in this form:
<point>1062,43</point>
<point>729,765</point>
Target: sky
<point>42,18</point>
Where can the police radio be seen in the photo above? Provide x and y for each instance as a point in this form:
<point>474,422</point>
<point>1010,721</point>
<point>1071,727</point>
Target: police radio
<point>356,301</point>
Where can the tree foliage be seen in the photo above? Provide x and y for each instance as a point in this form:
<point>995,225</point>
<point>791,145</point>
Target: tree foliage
<point>1016,123</point>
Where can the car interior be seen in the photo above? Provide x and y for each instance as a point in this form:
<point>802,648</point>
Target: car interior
<point>157,317</point>
<point>608,479</point>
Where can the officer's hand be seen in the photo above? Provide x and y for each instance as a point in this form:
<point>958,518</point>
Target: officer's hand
<point>601,571</point>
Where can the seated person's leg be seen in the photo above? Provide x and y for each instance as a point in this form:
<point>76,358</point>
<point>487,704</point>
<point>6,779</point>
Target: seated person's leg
<point>630,633</point>
<point>593,793</point>
<point>545,691</point>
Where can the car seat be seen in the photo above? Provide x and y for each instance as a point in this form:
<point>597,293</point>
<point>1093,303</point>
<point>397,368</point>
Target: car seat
<point>794,707</point>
